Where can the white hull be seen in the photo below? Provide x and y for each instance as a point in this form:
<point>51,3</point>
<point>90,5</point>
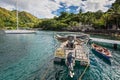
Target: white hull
<point>19,31</point>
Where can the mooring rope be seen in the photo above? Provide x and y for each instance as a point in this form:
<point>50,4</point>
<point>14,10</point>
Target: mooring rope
<point>45,73</point>
<point>80,78</point>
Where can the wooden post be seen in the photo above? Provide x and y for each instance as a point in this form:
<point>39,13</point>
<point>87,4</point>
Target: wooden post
<point>115,46</point>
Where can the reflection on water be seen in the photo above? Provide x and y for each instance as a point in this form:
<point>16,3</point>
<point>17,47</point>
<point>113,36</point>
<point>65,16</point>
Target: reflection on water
<point>30,57</point>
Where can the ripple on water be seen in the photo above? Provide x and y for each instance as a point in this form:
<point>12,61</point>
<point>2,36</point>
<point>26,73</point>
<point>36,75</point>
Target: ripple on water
<point>28,57</point>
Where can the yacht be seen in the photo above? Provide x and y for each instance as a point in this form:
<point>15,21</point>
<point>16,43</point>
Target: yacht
<point>19,31</point>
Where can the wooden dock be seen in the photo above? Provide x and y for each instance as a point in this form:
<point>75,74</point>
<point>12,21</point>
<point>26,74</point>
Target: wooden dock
<point>115,44</point>
<point>79,53</point>
<point>73,51</point>
<point>106,40</point>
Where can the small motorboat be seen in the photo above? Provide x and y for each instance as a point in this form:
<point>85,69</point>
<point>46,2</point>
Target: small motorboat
<point>66,37</point>
<point>101,51</point>
<point>61,38</point>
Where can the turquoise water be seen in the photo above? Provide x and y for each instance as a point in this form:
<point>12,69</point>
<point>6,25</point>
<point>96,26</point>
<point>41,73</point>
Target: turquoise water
<point>30,57</point>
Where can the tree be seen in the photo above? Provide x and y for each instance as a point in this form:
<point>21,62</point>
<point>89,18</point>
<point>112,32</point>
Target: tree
<point>105,17</point>
<point>1,24</point>
<point>98,14</point>
<point>115,13</point>
<point>63,15</point>
<point>80,11</point>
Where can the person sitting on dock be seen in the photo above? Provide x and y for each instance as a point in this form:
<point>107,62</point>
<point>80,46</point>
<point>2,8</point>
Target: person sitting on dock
<point>70,42</point>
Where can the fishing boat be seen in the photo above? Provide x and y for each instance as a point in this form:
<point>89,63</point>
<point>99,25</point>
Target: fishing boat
<point>18,31</point>
<point>61,38</point>
<point>71,51</point>
<point>101,51</point>
<point>65,38</point>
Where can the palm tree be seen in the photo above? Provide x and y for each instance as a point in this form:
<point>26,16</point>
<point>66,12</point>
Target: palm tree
<point>115,12</point>
<point>106,17</point>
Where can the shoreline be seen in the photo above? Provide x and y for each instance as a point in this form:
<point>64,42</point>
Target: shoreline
<point>113,33</point>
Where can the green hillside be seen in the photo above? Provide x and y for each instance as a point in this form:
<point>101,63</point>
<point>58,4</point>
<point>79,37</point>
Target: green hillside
<point>96,20</point>
<point>67,21</point>
<point>8,19</point>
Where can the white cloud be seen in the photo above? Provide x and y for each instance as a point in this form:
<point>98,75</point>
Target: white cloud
<point>44,8</point>
<point>95,5</point>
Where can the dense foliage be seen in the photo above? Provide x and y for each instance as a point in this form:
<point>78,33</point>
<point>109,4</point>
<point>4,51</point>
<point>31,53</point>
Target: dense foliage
<point>96,20</point>
<point>8,19</point>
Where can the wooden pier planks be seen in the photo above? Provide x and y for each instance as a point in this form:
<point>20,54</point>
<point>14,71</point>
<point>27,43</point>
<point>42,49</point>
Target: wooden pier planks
<point>78,52</point>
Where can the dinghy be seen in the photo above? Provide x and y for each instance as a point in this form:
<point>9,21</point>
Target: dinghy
<point>101,51</point>
<point>61,38</point>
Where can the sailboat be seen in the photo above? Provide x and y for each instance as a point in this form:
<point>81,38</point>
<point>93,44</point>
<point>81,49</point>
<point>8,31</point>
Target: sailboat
<point>19,31</point>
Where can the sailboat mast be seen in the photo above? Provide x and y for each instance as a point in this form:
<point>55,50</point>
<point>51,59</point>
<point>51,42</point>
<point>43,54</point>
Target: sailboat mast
<point>17,13</point>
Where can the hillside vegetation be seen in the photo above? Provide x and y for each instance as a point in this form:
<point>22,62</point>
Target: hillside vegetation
<point>96,20</point>
<point>66,21</point>
<point>8,19</point>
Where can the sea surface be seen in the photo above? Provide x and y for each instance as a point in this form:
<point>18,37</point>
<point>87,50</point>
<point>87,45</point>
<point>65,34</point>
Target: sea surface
<point>30,57</point>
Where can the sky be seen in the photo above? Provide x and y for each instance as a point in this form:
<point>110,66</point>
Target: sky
<point>51,8</point>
